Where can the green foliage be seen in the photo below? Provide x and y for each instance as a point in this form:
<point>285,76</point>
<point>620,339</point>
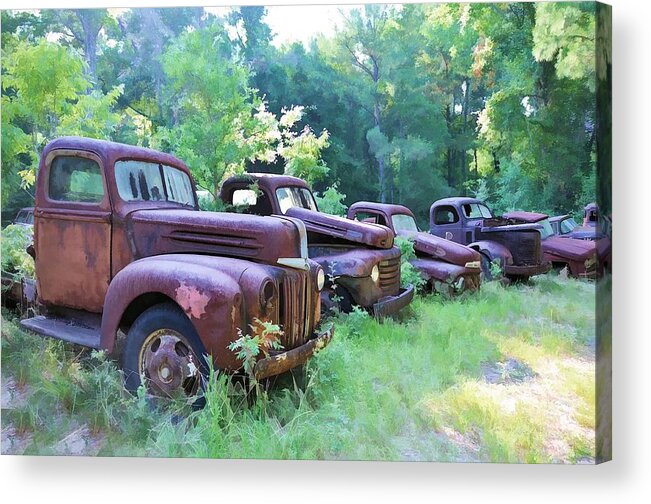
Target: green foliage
<point>247,348</point>
<point>408,274</point>
<point>444,409</point>
<point>14,242</point>
<point>331,201</point>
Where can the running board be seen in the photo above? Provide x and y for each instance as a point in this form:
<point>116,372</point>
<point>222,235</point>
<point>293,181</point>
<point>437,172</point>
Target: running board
<point>63,329</point>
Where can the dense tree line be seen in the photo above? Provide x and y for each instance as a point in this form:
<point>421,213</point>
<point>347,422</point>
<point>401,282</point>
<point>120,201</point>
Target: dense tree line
<point>402,105</point>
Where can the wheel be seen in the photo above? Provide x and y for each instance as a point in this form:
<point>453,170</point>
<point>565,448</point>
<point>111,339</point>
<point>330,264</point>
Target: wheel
<point>486,273</point>
<point>164,349</point>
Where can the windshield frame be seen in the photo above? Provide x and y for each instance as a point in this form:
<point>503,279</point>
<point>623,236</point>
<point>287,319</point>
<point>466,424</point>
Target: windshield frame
<point>479,205</point>
<point>545,228</point>
<point>165,193</point>
<point>301,192</point>
<point>402,216</point>
<point>560,225</point>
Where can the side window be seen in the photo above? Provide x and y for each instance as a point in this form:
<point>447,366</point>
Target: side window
<point>75,179</point>
<point>445,215</point>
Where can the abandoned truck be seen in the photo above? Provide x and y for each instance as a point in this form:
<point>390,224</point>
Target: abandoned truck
<point>582,258</point>
<point>125,262</point>
<point>447,267</point>
<point>516,247</point>
<point>361,263</point>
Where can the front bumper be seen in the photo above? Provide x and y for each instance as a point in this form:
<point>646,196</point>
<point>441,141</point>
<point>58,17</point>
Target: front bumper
<point>284,361</point>
<point>527,271</point>
<point>393,304</point>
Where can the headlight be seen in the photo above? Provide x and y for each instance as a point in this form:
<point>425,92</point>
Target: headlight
<point>267,294</point>
<point>320,279</point>
<point>375,274</point>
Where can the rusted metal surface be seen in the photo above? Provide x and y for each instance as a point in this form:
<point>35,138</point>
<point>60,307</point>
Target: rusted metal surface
<point>530,217</point>
<point>440,261</point>
<point>345,249</point>
<point>580,256</point>
<point>166,360</point>
<point>284,361</point>
<point>393,304</point>
<point>516,246</point>
<point>590,215</point>
<point>117,258</point>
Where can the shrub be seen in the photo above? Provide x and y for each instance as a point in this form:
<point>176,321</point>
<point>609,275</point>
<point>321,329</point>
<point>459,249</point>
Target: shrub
<point>408,274</point>
<point>331,201</point>
<point>14,242</point>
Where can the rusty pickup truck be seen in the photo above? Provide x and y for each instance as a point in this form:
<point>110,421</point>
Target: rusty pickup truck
<point>359,257</point>
<point>583,258</point>
<point>448,268</point>
<point>516,247</point>
<point>126,262</point>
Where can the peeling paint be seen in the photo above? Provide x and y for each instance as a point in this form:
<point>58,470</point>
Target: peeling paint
<point>192,300</point>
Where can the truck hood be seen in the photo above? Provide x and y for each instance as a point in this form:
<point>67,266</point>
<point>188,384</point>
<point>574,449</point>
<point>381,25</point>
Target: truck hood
<point>442,249</point>
<point>570,248</point>
<point>264,239</point>
<point>372,235</point>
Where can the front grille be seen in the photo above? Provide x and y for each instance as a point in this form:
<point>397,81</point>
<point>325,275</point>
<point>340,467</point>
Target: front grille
<point>523,245</point>
<point>390,276</point>
<point>297,304</point>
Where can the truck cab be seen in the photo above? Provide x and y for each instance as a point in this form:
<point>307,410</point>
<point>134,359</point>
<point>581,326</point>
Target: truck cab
<point>126,262</point>
<point>361,263</point>
<point>448,268</point>
<point>515,247</point>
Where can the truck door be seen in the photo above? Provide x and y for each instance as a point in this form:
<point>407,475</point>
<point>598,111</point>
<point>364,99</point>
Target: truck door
<point>73,232</point>
<point>447,224</point>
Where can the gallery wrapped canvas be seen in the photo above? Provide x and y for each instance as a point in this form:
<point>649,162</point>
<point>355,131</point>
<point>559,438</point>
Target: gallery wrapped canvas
<point>356,232</point>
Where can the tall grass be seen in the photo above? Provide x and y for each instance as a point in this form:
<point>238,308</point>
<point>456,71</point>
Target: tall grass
<point>412,389</point>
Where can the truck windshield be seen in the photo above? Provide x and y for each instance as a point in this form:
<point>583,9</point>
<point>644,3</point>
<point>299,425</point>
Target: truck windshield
<point>404,223</point>
<point>147,181</point>
<point>545,229</point>
<point>295,197</point>
<point>476,211</point>
<point>568,225</point>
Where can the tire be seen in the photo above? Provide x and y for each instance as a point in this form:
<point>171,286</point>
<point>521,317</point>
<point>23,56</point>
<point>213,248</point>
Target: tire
<point>163,347</point>
<point>486,273</point>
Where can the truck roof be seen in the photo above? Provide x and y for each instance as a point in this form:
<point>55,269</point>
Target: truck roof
<point>387,208</point>
<point>112,151</point>
<point>271,180</point>
<point>457,200</point>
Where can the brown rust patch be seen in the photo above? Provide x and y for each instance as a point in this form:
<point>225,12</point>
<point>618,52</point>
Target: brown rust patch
<point>192,300</point>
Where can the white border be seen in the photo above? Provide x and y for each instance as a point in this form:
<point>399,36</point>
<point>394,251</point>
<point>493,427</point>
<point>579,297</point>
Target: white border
<point>626,479</point>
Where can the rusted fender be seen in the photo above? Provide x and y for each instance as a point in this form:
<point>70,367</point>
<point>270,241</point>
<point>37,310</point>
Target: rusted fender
<point>445,250</point>
<point>212,299</point>
<point>350,262</point>
<point>441,271</point>
<point>493,250</point>
<point>373,235</point>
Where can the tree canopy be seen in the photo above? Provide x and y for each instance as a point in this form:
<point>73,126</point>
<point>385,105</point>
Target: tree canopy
<point>403,104</point>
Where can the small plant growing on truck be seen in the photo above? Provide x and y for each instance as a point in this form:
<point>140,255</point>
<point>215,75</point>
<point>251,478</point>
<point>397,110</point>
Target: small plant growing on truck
<point>126,262</point>
<point>361,256</point>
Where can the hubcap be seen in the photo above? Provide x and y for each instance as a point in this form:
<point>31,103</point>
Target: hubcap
<point>167,365</point>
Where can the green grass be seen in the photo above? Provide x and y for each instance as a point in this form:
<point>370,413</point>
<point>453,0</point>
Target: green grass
<point>412,389</point>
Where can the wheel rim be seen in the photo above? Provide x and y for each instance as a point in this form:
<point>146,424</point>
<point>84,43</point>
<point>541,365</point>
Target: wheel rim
<point>167,365</point>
